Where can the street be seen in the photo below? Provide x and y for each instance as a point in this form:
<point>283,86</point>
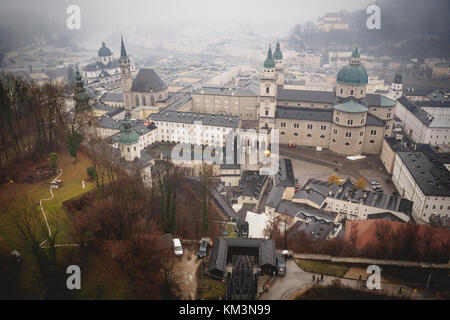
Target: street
<point>297,280</point>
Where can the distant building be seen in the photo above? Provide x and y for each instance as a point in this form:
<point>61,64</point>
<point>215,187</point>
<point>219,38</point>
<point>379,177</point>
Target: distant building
<point>441,71</point>
<point>106,68</point>
<point>331,21</point>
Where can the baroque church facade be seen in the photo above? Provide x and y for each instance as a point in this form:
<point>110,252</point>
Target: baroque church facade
<point>348,121</point>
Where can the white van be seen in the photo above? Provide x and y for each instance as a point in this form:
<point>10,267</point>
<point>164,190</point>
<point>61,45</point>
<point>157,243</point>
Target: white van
<point>177,247</point>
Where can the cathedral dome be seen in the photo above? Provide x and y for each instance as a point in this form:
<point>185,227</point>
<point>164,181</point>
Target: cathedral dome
<point>269,63</point>
<point>353,74</point>
<point>104,51</point>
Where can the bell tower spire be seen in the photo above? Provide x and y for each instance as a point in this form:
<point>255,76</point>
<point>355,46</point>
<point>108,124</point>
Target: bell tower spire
<point>125,74</point>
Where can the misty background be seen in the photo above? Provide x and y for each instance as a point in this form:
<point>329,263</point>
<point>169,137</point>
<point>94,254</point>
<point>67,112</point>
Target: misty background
<point>408,27</point>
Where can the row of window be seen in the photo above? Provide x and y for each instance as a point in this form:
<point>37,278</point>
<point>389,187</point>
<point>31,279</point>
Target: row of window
<point>297,126</point>
<point>352,92</point>
<point>349,122</point>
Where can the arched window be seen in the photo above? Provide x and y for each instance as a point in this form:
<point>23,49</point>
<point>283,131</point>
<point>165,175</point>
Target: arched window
<point>152,99</point>
<point>347,143</point>
<point>144,101</point>
<point>342,91</point>
<point>267,90</point>
<point>351,92</point>
<point>309,135</point>
<point>137,101</point>
<point>371,141</point>
<point>322,137</point>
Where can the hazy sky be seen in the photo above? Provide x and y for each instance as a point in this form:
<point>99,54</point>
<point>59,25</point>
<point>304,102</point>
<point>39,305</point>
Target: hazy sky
<point>174,13</point>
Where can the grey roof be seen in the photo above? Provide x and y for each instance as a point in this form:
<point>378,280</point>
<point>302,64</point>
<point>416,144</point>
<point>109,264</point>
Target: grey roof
<point>439,95</point>
<point>306,95</point>
<point>434,104</point>
<point>147,80</point>
<point>227,91</point>
<point>285,175</point>
<point>348,192</point>
<point>304,113</point>
<point>106,122</point>
<point>251,183</point>
<point>317,229</point>
<point>264,249</point>
<point>407,145</point>
<point>191,117</point>
<point>275,196</point>
<point>110,111</point>
<point>100,66</point>
<point>302,211</point>
<point>112,96</point>
<point>429,171</point>
<point>384,216</point>
<point>177,104</point>
<point>223,204</point>
<point>417,91</point>
<point>372,120</point>
<point>415,110</point>
<point>378,100</point>
<point>310,195</point>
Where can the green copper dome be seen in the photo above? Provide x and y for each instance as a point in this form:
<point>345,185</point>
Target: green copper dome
<point>269,63</point>
<point>278,55</point>
<point>128,136</point>
<point>351,107</point>
<point>353,74</point>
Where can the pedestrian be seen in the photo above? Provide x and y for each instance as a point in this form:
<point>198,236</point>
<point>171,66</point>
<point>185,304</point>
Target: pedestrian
<point>359,278</point>
<point>314,278</point>
<point>321,277</point>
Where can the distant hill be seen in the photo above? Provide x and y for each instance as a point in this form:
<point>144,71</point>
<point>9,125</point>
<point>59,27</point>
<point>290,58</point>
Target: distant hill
<point>408,29</point>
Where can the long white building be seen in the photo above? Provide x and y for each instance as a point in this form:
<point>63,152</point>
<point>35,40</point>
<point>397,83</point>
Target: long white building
<point>424,178</point>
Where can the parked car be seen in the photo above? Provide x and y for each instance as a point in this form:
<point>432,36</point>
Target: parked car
<point>378,189</point>
<point>281,265</point>
<point>374,183</point>
<point>203,249</point>
<point>177,247</point>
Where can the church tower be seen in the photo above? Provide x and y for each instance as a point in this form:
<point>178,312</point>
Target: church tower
<point>268,92</point>
<point>129,140</point>
<point>278,58</point>
<point>396,90</point>
<point>80,96</point>
<point>125,75</point>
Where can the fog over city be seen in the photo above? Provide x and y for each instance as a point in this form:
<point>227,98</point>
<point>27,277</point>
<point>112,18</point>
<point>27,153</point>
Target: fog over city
<point>163,19</point>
